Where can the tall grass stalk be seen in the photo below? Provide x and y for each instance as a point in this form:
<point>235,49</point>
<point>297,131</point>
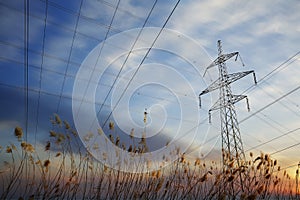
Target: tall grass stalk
<point>65,170</point>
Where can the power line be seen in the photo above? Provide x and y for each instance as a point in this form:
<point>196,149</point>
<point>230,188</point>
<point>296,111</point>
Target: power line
<point>275,122</point>
<point>282,65</point>
<point>275,138</point>
<point>191,150</point>
<point>283,134</point>
<point>260,110</point>
<point>70,54</point>
<point>73,76</point>
<point>126,59</point>
<point>76,14</point>
<point>69,29</point>
<point>272,72</point>
<point>73,62</point>
<point>274,127</point>
<point>99,84</point>
<point>26,71</point>
<point>26,59</point>
<point>70,97</point>
<point>123,10</point>
<point>246,90</point>
<point>45,55</point>
<point>24,62</point>
<point>136,71</point>
<point>41,71</point>
<point>281,103</point>
<point>96,103</point>
<point>286,148</point>
<point>84,17</point>
<point>49,22</point>
<point>100,52</point>
<point>290,166</point>
<point>268,105</point>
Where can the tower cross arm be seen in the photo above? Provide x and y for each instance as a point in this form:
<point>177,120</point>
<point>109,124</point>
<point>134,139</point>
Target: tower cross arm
<point>220,59</point>
<point>230,78</point>
<point>234,99</point>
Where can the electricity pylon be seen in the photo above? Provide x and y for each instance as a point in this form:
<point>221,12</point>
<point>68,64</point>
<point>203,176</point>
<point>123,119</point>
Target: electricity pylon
<point>231,138</point>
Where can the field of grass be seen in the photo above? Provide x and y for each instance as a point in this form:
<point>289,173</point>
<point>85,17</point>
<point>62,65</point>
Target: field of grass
<point>64,170</point>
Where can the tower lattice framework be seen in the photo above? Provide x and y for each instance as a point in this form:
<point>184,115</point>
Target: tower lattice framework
<point>231,137</point>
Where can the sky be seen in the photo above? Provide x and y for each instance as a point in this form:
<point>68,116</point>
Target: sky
<point>114,59</point>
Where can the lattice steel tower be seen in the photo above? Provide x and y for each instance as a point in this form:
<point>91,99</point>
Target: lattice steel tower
<point>230,132</point>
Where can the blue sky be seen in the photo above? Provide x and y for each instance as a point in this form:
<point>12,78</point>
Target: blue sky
<point>266,33</point>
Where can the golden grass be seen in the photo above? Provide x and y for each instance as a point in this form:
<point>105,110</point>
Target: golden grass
<point>61,171</point>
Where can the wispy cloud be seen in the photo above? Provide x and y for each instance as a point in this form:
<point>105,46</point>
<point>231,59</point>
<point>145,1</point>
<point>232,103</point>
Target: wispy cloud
<point>266,33</point>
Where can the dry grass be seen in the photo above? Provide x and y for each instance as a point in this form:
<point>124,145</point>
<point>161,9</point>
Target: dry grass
<point>62,171</point>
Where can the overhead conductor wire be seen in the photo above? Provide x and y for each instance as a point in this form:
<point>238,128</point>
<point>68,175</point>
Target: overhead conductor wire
<point>144,58</point>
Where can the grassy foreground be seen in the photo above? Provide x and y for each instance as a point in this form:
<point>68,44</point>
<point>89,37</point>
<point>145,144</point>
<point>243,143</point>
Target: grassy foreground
<point>64,170</point>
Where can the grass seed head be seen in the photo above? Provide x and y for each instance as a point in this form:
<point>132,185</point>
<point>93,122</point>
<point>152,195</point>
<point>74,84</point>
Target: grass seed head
<point>57,119</point>
<point>153,174</point>
<point>259,165</point>
<point>105,168</point>
<point>52,134</point>
<point>74,132</point>
<point>167,143</point>
<point>111,138</point>
<point>185,170</point>
<point>46,163</point>
<point>67,125</point>
<point>145,116</point>
<point>13,147</point>
<point>159,185</point>
<point>117,141</point>
<point>29,148</point>
<point>132,133</point>
<point>203,178</point>
<point>8,149</point>
<point>260,189</point>
<point>182,159</point>
<point>19,132</point>
<point>58,154</point>
<point>111,125</point>
<point>47,147</point>
<point>158,173</point>
<point>231,178</point>
<point>197,161</point>
<point>231,164</point>
<point>96,146</point>
<point>143,140</point>
<point>60,138</point>
<point>130,148</point>
<point>100,131</point>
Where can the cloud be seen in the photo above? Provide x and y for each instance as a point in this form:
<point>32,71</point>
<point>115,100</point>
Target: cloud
<point>266,33</point>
